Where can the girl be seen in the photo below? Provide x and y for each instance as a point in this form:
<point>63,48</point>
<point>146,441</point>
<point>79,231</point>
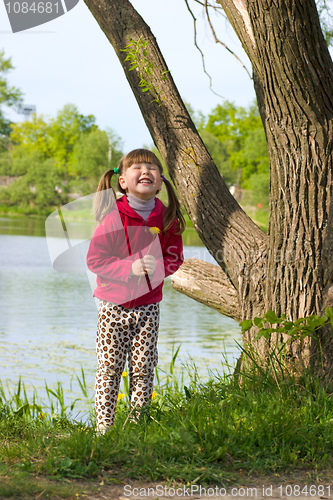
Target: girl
<point>136,244</point>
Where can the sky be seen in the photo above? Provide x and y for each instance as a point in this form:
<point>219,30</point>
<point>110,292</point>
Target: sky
<point>70,60</point>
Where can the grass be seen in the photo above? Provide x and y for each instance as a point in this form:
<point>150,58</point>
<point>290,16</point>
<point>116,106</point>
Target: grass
<point>204,433</point>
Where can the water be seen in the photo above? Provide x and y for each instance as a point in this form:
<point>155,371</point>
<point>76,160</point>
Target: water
<point>48,319</point>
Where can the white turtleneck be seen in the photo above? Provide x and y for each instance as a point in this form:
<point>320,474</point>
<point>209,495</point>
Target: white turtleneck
<point>142,207</point>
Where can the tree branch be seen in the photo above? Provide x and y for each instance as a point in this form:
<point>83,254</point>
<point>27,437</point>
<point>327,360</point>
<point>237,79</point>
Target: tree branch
<point>222,43</point>
<point>208,284</point>
<point>219,10</point>
<point>237,13</point>
<point>201,53</point>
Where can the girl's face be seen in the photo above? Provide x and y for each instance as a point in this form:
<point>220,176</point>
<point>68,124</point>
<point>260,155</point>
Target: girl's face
<point>142,180</point>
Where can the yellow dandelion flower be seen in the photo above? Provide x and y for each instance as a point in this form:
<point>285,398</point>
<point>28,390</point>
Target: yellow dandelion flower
<point>124,374</point>
<point>154,395</point>
<point>120,396</point>
<point>155,230</point>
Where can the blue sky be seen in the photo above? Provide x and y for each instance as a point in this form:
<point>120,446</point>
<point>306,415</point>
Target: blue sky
<point>70,60</point>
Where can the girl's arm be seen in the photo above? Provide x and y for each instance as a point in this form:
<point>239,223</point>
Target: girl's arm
<point>108,254</point>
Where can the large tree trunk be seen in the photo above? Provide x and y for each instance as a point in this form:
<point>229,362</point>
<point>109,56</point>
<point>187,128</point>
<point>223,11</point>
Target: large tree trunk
<point>294,72</point>
<point>291,271</point>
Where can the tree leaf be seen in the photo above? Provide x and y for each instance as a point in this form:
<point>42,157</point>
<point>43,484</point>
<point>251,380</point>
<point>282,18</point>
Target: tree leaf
<point>329,312</point>
<point>271,317</point>
<point>258,321</point>
<point>246,325</point>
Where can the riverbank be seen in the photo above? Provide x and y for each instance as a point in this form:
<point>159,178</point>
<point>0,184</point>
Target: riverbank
<point>214,433</point>
<point>258,214</point>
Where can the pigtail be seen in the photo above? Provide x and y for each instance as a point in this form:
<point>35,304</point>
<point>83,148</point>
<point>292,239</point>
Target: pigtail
<point>173,210</point>
<point>105,196</point>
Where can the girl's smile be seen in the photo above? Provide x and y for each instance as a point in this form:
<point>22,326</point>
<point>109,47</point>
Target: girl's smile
<point>142,180</point>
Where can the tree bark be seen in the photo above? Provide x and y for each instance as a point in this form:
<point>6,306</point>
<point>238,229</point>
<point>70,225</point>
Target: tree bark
<point>298,111</point>
<point>294,73</point>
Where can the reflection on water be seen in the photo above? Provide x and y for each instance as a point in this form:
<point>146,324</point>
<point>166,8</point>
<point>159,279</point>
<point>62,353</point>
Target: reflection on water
<point>35,226</point>
<point>48,319</point>
<point>28,226</point>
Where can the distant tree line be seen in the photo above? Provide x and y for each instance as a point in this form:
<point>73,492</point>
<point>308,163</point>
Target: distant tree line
<point>55,160</point>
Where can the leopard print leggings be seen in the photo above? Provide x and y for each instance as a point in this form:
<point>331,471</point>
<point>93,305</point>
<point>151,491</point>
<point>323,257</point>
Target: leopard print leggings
<point>121,333</point>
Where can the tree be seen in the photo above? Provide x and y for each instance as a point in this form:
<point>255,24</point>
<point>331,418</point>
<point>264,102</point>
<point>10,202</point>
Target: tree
<point>241,136</point>
<point>291,269</point>
<point>9,96</point>
<point>91,158</point>
<point>54,138</point>
<point>52,157</point>
<point>39,190</point>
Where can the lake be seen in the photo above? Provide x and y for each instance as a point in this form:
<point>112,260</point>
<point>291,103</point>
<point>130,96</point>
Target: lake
<point>48,319</point>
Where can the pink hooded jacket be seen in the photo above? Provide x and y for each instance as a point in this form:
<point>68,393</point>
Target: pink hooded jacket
<point>123,237</point>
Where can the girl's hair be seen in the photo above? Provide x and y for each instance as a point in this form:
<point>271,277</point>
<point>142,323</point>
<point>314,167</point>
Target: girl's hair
<point>105,198</point>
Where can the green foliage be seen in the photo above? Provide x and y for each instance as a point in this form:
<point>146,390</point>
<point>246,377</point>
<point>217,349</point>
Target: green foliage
<point>67,128</point>
<point>220,153</point>
<point>5,163</point>
<point>229,122</point>
<point>90,159</point>
<point>308,327</point>
<point>9,96</point>
<point>235,138</point>
<point>137,55</point>
<point>299,329</point>
<point>253,155</point>
<point>49,158</point>
<point>257,190</point>
<point>54,138</point>
<point>39,190</point>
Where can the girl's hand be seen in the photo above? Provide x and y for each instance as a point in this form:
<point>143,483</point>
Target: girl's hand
<point>146,265</point>
<point>137,268</point>
<point>149,263</point>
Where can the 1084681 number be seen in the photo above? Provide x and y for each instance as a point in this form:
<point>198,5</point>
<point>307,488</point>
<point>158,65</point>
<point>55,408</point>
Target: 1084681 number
<point>295,490</point>
<point>35,7</point>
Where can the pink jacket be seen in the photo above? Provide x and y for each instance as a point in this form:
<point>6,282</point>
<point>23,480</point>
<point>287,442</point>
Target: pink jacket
<point>123,237</point>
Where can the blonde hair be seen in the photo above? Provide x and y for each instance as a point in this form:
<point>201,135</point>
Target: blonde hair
<point>105,199</point>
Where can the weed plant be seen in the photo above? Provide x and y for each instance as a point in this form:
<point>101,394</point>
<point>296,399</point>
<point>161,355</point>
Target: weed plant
<point>204,432</point>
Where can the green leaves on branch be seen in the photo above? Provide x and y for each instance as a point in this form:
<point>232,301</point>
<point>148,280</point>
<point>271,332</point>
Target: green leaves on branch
<point>137,55</point>
<point>299,329</point>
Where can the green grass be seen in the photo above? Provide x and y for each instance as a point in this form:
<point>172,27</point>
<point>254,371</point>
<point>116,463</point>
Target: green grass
<point>204,433</point>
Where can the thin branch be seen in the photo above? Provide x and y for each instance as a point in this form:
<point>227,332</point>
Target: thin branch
<point>219,41</point>
<point>219,9</point>
<point>197,46</point>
